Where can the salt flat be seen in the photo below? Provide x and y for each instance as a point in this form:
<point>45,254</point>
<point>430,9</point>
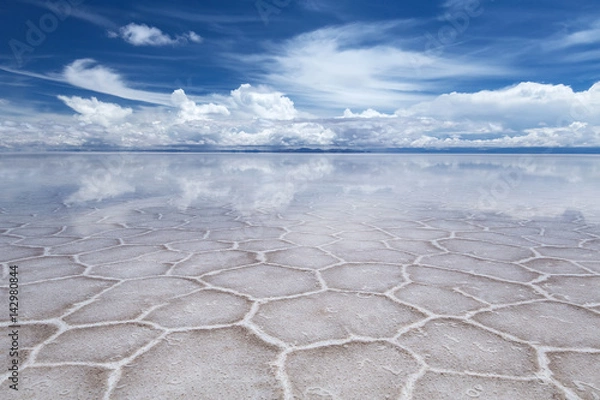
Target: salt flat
<point>302,277</point>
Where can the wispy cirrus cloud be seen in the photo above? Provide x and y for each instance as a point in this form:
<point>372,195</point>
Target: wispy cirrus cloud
<point>193,15</point>
<point>144,35</point>
<point>363,65</point>
<point>84,12</point>
<point>587,36</point>
<point>87,74</point>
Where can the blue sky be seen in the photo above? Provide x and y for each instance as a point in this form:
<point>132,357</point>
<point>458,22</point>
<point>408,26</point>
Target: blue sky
<point>281,73</point>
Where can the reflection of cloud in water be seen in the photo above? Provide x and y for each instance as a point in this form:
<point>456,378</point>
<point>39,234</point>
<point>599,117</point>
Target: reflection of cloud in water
<point>367,189</point>
<point>102,177</point>
<point>251,185</point>
<point>521,186</point>
<point>192,190</point>
<point>99,187</point>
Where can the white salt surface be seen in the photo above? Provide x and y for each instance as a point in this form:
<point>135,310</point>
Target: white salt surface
<point>362,277</point>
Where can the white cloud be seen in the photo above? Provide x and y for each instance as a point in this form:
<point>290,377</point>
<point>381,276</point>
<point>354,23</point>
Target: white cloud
<point>194,37</point>
<point>262,102</point>
<point>278,134</point>
<point>390,73</point>
<point>526,105</point>
<point>92,111</point>
<point>527,114</point>
<point>586,36</point>
<point>368,113</point>
<point>190,111</point>
<point>260,117</point>
<point>86,74</point>
<point>246,101</point>
<point>144,35</point>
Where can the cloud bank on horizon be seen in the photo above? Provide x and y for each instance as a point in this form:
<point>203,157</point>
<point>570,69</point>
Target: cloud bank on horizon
<point>453,74</point>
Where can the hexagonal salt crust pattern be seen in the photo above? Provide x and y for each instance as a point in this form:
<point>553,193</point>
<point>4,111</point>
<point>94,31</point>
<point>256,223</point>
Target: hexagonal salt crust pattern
<point>342,302</point>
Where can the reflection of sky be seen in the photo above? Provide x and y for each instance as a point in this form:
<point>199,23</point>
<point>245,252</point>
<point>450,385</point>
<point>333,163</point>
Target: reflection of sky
<point>522,186</point>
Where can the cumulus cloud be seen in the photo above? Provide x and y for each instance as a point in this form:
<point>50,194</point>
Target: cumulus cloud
<point>190,111</point>
<point>368,113</point>
<point>278,134</point>
<point>246,101</point>
<point>144,35</point>
<point>92,111</point>
<point>524,115</point>
<point>261,117</point>
<point>522,106</point>
<point>262,102</point>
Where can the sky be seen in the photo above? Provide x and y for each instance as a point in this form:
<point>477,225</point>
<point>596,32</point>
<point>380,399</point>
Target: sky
<point>90,74</point>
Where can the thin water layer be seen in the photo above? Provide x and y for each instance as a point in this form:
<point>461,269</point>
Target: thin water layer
<point>267,276</point>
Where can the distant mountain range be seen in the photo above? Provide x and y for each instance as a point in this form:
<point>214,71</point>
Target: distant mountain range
<point>306,150</point>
